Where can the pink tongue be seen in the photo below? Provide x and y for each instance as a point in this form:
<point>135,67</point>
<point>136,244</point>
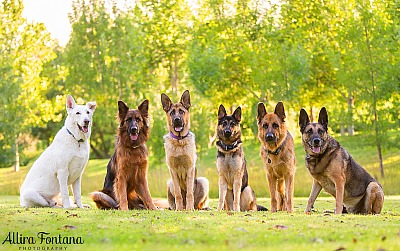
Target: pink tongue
<point>85,129</point>
<point>316,149</point>
<point>134,136</point>
<point>178,129</point>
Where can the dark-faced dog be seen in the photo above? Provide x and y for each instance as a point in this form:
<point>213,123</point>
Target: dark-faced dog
<point>333,169</point>
<point>185,191</point>
<point>125,184</point>
<point>234,190</point>
<point>277,154</point>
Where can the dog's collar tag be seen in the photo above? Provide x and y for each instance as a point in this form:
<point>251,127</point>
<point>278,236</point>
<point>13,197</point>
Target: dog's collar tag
<point>70,133</point>
<point>228,147</point>
<point>178,137</point>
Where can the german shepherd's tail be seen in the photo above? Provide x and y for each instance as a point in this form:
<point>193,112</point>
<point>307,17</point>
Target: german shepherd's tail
<point>261,208</point>
<point>103,201</point>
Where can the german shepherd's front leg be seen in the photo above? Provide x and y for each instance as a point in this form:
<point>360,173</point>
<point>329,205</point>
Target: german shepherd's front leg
<point>144,193</point>
<point>177,190</point>
<point>339,187</point>
<point>289,182</point>
<point>190,189</point>
<point>223,188</point>
<point>272,183</point>
<point>315,190</point>
<point>62,176</point>
<point>237,185</point>
<point>121,193</point>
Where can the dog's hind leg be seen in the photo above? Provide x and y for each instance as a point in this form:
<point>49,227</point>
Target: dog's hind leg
<point>201,188</point>
<point>248,201</point>
<point>32,198</point>
<point>375,198</point>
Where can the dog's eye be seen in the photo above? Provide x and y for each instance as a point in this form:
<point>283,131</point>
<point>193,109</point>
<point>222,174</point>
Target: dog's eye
<point>129,120</point>
<point>172,112</point>
<point>233,123</point>
<point>310,131</point>
<point>320,131</point>
<point>181,112</point>
<point>78,113</point>
<point>265,126</point>
<point>87,112</point>
<point>137,119</point>
<point>275,126</point>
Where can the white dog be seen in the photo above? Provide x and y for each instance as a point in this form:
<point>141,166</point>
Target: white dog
<point>62,163</point>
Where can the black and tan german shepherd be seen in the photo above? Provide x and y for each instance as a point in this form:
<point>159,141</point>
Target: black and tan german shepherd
<point>125,184</point>
<point>185,191</point>
<point>334,170</point>
<point>234,190</point>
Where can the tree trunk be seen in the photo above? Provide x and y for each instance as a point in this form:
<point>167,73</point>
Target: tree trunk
<point>374,96</point>
<point>16,168</point>
<point>350,106</point>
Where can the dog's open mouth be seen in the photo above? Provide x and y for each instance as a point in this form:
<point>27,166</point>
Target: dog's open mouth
<point>315,148</point>
<point>134,136</point>
<point>178,128</point>
<point>84,128</point>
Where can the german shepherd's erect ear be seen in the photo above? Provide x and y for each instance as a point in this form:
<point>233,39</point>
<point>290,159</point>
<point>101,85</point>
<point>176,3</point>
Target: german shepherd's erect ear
<point>144,110</point>
<point>122,111</point>
<point>323,118</point>
<point>261,112</point>
<point>221,112</point>
<point>237,114</point>
<point>185,99</point>
<point>304,120</point>
<point>166,102</point>
<point>280,111</point>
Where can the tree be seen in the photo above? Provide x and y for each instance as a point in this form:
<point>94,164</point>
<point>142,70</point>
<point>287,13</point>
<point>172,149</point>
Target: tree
<point>25,48</point>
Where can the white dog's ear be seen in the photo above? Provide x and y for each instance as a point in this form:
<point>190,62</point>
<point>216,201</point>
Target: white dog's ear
<point>70,102</point>
<point>92,105</point>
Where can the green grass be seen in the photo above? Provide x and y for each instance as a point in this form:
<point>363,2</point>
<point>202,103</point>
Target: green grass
<point>204,230</point>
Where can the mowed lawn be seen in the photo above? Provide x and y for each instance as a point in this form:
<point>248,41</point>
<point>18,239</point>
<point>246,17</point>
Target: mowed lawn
<point>200,230</point>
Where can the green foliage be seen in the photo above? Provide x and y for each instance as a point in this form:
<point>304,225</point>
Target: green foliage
<point>343,55</point>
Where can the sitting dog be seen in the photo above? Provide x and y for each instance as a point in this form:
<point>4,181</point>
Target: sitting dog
<point>333,169</point>
<point>185,191</point>
<point>125,184</point>
<point>234,191</point>
<point>62,163</point>
<point>277,154</point>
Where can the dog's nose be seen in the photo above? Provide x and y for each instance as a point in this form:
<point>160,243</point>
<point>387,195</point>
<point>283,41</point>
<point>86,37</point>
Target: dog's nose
<point>177,119</point>
<point>316,141</point>
<point>227,133</point>
<point>86,121</point>
<point>269,137</point>
<point>134,129</point>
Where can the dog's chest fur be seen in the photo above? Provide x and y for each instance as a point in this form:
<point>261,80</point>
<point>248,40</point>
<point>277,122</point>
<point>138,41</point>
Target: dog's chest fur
<point>231,165</point>
<point>181,156</point>
<point>277,164</point>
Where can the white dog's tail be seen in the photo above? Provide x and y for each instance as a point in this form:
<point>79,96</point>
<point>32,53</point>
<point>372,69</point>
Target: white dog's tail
<point>103,201</point>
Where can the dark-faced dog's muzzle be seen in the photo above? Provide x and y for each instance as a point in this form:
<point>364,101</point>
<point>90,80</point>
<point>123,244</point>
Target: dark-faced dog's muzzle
<point>177,123</point>
<point>133,130</point>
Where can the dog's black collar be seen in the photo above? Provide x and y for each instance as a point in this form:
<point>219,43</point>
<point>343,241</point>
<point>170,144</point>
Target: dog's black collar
<point>278,150</point>
<point>178,137</point>
<point>228,147</point>
<point>79,141</point>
